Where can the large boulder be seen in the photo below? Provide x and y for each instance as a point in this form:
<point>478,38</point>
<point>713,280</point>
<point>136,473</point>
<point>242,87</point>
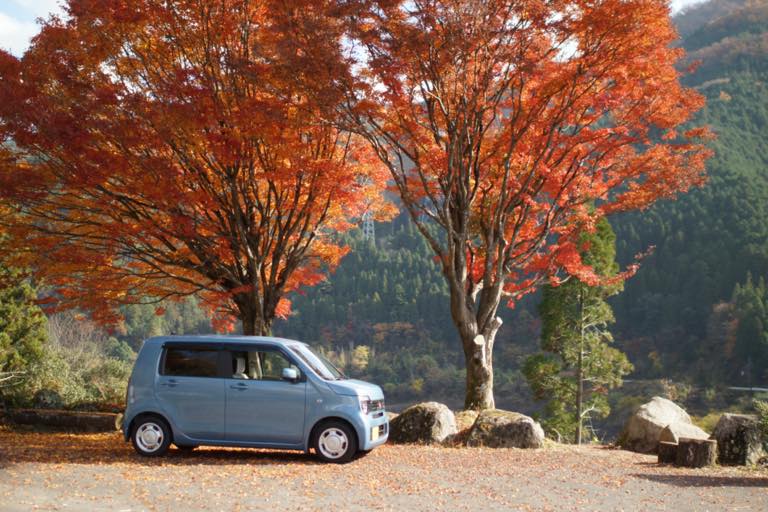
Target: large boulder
<point>465,419</point>
<point>464,422</point>
<point>673,432</point>
<point>503,429</point>
<point>642,431</point>
<point>739,439</point>
<point>428,423</point>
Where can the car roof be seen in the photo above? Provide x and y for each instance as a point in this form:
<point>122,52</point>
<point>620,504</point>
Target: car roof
<point>224,338</point>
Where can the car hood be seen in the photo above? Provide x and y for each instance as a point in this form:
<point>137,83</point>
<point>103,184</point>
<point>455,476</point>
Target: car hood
<point>352,387</point>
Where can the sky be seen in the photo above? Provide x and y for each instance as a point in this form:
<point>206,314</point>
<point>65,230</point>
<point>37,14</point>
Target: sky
<point>17,20</point>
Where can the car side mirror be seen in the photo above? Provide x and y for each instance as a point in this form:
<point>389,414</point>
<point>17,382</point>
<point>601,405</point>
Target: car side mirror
<point>290,374</point>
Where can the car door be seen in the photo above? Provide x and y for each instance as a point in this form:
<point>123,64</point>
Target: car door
<point>191,390</point>
<point>261,406</point>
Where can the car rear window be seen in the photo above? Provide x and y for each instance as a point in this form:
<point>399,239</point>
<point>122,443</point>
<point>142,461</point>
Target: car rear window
<point>191,362</point>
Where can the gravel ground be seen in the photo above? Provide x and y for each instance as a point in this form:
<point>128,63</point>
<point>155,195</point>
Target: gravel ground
<point>82,472</point>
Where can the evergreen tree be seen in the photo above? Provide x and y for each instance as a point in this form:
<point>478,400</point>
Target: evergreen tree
<point>750,302</point>
<point>22,326</point>
<point>578,366</point>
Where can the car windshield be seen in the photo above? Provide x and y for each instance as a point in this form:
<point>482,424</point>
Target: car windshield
<point>322,366</point>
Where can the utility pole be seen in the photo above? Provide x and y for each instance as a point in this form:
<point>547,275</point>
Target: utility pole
<point>369,232</point>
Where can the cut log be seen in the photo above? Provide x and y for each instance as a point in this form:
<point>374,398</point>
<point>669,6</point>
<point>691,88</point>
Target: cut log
<point>696,453</point>
<point>667,452</point>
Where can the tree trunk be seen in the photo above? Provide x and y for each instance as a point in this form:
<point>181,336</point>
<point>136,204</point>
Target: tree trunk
<point>479,362</point>
<point>579,397</point>
<point>254,324</point>
<point>580,374</point>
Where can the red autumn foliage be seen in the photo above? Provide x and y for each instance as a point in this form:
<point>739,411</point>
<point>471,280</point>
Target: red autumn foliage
<point>162,149</point>
<point>510,126</point>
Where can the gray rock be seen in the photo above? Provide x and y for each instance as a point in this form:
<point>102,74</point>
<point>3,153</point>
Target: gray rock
<point>464,422</point>
<point>642,431</point>
<point>673,432</point>
<point>503,429</point>
<point>465,419</point>
<point>739,439</point>
<point>428,423</point>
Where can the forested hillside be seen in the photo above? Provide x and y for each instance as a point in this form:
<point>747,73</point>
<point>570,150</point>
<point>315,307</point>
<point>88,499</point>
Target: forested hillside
<point>675,317</point>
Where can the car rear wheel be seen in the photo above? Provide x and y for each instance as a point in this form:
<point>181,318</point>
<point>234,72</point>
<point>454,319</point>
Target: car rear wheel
<point>151,436</point>
<point>335,441</point>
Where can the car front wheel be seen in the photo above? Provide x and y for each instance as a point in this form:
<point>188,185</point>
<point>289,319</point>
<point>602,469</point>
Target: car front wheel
<point>335,441</point>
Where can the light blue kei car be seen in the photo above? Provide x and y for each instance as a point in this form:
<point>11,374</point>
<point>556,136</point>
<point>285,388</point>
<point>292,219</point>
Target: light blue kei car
<point>249,391</point>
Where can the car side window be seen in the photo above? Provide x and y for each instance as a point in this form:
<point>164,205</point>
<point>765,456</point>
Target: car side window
<point>272,365</point>
<point>191,362</point>
<point>260,364</point>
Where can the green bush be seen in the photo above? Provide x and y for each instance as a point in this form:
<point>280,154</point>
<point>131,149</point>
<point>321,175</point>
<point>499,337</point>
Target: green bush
<point>106,383</point>
<point>51,382</point>
<point>120,350</point>
<point>762,415</point>
<point>79,368</point>
<point>707,422</point>
<point>22,327</point>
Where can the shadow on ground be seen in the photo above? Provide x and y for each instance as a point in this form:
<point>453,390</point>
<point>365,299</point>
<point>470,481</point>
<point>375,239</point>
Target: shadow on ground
<point>705,481</point>
<point>70,448</point>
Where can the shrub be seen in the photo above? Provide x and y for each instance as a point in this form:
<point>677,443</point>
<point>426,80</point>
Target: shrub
<point>707,422</point>
<point>80,368</point>
<point>762,416</point>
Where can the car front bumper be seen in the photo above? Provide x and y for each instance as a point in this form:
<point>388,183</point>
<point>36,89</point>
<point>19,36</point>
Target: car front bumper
<point>375,430</point>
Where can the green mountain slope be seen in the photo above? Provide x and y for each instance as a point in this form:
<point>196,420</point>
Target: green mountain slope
<point>710,239</point>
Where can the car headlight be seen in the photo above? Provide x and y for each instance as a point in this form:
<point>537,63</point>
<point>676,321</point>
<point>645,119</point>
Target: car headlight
<point>365,404</point>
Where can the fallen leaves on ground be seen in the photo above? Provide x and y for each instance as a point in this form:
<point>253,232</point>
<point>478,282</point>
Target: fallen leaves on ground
<point>46,469</point>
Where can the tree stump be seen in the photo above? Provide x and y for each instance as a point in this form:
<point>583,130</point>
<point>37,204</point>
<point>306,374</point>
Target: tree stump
<point>696,453</point>
<point>667,452</point>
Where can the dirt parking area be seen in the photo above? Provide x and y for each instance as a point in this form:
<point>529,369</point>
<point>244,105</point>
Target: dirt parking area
<point>59,471</point>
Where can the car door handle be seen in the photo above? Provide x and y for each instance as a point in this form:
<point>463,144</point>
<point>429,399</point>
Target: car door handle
<point>240,386</point>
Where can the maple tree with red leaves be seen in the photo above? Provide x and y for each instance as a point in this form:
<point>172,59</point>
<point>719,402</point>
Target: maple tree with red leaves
<point>509,126</point>
<point>162,149</point>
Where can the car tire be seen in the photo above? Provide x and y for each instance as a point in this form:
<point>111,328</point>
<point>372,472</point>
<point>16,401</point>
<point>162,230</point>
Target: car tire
<point>335,442</point>
<point>361,453</point>
<point>151,436</point>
